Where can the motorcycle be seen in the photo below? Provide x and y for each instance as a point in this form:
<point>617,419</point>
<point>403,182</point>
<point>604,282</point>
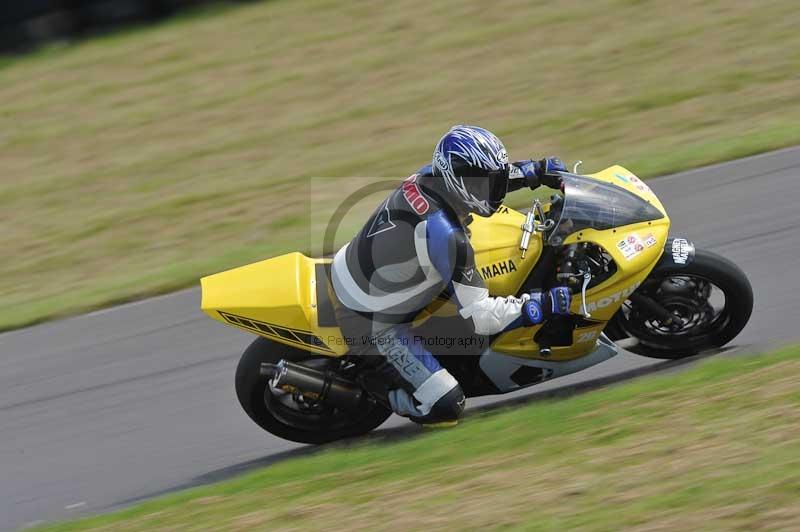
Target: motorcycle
<point>606,235</point>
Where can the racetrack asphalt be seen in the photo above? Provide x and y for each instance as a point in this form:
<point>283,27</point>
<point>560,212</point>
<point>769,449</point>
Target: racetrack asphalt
<point>104,409</point>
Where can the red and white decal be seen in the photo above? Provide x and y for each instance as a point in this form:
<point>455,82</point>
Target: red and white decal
<point>639,184</point>
<point>631,246</point>
<point>413,195</point>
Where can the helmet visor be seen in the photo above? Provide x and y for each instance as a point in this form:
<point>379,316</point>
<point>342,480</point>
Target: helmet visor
<point>498,185</point>
<point>490,186</point>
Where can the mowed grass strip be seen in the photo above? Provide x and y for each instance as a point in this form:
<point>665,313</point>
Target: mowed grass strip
<point>711,448</point>
<point>133,164</point>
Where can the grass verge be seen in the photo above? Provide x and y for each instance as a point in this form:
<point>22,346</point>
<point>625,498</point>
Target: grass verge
<point>714,448</point>
<point>134,163</point>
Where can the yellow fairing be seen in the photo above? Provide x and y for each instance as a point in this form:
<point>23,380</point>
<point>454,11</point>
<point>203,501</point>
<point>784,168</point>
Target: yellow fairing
<point>497,255</point>
<point>275,298</point>
<point>617,175</point>
<point>603,300</point>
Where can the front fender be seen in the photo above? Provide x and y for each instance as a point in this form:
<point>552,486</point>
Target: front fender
<point>678,252</point>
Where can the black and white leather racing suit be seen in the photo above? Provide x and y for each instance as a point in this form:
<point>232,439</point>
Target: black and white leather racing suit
<point>412,249</point>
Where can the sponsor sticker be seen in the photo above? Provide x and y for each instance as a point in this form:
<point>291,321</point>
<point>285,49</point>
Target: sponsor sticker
<point>639,184</point>
<point>614,298</point>
<point>681,248</point>
<point>498,268</point>
<point>650,240</point>
<point>631,246</point>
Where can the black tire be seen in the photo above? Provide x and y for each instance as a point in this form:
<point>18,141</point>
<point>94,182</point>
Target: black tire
<point>720,272</point>
<point>257,400</point>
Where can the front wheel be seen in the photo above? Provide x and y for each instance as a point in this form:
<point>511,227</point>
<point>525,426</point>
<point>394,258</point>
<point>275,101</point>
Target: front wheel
<point>287,415</point>
<point>709,300</point>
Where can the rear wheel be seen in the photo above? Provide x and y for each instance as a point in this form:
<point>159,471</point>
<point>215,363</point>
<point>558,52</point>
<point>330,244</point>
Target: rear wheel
<point>708,302</point>
<point>288,415</point>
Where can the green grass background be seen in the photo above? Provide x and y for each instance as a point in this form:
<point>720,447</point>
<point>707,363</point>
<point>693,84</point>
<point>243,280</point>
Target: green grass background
<point>714,447</point>
<point>133,164</point>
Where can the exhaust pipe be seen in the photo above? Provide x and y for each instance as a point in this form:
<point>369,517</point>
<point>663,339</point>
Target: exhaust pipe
<point>322,386</point>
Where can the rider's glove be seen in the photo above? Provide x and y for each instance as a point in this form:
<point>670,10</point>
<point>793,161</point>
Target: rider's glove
<point>559,299</point>
<point>536,173</point>
<point>542,306</point>
<point>533,309</point>
<point>522,174</point>
<point>545,169</point>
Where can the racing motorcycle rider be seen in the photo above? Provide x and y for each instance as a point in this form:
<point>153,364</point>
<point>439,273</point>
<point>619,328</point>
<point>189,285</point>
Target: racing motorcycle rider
<point>413,248</point>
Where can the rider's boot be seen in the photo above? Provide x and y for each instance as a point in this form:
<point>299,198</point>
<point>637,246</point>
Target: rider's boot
<point>445,412</point>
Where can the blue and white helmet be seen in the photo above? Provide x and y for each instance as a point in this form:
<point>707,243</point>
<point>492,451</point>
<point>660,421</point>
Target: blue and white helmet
<point>473,164</point>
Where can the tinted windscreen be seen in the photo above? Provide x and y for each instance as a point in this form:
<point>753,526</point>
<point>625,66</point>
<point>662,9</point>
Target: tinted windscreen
<point>590,204</point>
